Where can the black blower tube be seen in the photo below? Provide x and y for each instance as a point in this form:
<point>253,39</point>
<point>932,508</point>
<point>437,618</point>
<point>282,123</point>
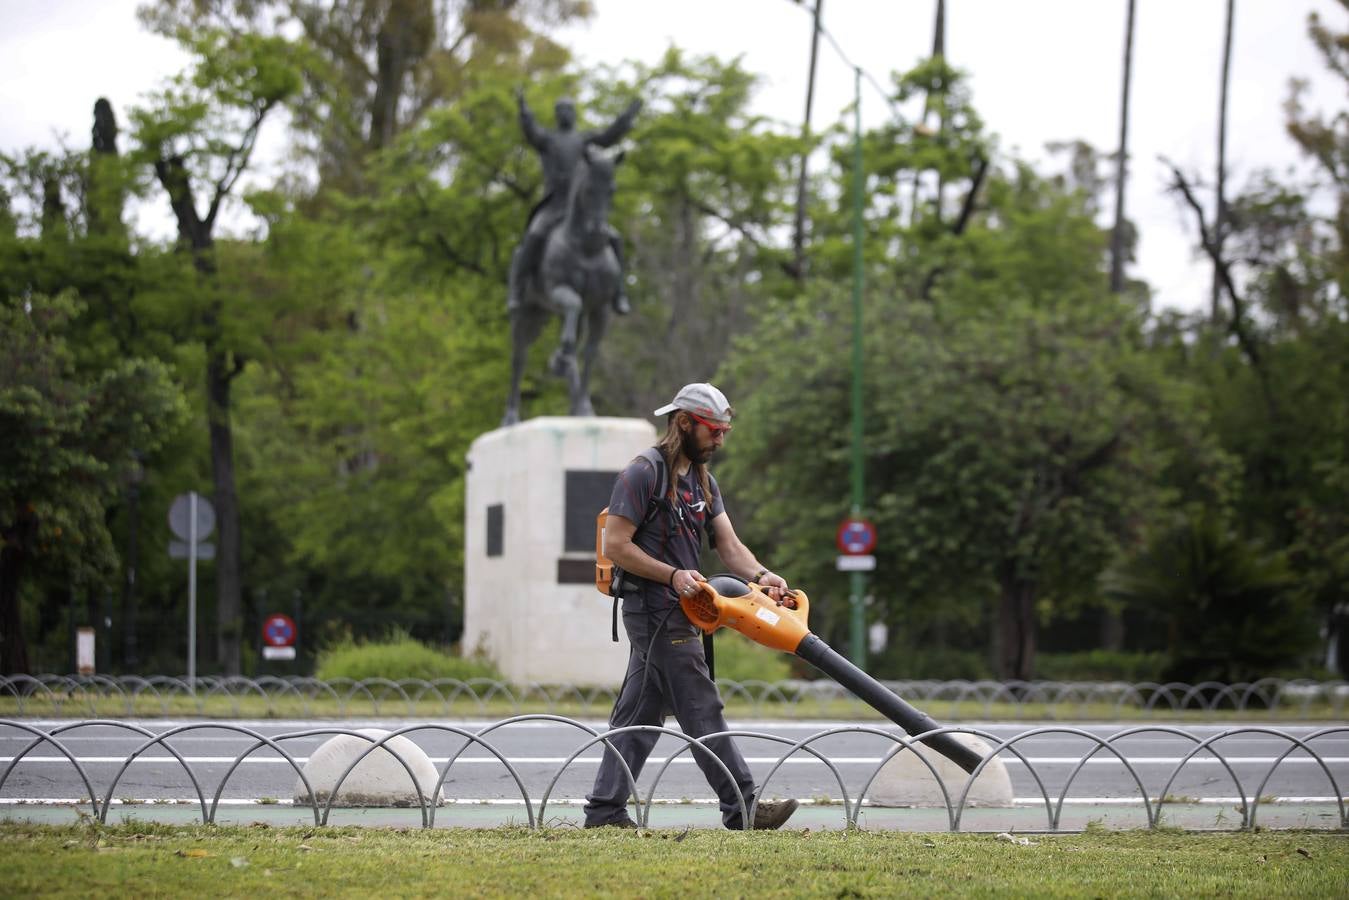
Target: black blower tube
<point>823,657</point>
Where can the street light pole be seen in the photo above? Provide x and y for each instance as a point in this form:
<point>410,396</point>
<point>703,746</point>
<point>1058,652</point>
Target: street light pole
<point>857,579</point>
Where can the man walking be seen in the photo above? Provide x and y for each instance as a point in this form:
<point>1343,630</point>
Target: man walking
<point>661,506</point>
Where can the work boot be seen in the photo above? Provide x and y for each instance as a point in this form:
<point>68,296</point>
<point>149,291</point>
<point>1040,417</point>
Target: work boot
<point>621,304</point>
<point>773,814</point>
<point>625,822</point>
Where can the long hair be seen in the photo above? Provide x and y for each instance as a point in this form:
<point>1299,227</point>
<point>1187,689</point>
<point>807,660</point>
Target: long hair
<point>670,445</point>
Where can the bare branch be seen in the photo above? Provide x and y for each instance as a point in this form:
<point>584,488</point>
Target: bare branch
<point>1245,340</point>
<point>237,161</point>
<point>962,221</point>
<point>453,255</point>
<point>1223,266</point>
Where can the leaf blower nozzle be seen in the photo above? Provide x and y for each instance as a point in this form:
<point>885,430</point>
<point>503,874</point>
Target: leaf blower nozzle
<point>725,600</point>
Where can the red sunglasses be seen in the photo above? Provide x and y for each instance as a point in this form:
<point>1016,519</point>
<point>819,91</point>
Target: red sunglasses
<point>715,428</point>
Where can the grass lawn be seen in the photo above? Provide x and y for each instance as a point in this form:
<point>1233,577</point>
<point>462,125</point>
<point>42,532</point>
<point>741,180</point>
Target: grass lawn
<point>151,860</point>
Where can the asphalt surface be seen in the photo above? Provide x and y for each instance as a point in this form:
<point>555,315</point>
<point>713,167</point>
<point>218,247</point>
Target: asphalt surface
<point>480,790</point>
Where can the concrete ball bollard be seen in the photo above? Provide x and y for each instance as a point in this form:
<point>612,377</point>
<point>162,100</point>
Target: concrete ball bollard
<point>906,781</point>
<point>379,780</point>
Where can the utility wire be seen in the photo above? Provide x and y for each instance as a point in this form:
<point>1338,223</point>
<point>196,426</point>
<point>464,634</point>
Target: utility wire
<point>847,61</point>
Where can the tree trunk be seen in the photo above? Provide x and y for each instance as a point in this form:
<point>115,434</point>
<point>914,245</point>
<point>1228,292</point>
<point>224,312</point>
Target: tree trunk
<point>13,647</point>
<point>1112,630</point>
<point>221,367</point>
<point>404,37</point>
<point>229,616</point>
<point>130,652</point>
<point>1016,617</point>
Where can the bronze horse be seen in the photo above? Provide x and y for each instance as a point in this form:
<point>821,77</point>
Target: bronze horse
<point>577,278</point>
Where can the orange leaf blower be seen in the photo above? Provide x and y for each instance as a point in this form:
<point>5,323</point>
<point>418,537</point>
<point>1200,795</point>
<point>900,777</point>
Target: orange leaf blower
<point>726,600</point>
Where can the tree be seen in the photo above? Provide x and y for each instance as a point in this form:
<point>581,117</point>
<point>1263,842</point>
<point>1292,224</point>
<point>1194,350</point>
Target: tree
<point>1117,235</point>
<point>1277,396</point>
<point>69,437</point>
<point>363,428</point>
<point>1220,179</point>
<point>1012,426</point>
<point>199,135</point>
<point>700,199</point>
<point>377,68</point>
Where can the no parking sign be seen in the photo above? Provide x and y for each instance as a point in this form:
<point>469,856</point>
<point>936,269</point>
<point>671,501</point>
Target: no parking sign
<point>278,637</point>
<point>856,538</point>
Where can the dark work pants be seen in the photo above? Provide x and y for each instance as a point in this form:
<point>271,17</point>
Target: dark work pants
<point>678,680</point>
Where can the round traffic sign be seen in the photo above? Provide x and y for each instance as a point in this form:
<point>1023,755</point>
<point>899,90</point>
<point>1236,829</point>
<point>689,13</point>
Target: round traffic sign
<point>278,631</point>
<point>856,537</point>
<point>180,517</point>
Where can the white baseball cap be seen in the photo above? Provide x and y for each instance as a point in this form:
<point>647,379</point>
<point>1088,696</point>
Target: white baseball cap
<point>701,399</point>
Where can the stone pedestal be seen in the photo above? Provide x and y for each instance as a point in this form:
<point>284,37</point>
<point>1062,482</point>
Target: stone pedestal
<point>533,492</point>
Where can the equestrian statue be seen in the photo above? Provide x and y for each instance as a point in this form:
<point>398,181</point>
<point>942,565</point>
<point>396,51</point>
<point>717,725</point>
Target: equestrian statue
<point>570,261</point>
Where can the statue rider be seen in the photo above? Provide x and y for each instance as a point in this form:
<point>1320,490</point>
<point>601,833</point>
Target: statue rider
<point>559,151</point>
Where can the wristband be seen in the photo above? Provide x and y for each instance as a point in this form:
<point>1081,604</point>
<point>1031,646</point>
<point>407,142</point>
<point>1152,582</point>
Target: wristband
<point>758,575</point>
<point>673,573</point>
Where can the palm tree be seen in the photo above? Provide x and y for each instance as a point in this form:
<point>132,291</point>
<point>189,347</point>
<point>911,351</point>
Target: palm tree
<point>1121,162</point>
<point>1228,606</point>
<point>1219,229</point>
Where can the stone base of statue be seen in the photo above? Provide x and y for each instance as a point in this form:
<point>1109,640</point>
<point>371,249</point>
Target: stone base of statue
<point>533,492</point>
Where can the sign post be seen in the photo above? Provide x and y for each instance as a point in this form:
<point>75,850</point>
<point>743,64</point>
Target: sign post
<point>856,538</point>
<point>192,596</point>
<point>192,518</point>
<point>857,578</point>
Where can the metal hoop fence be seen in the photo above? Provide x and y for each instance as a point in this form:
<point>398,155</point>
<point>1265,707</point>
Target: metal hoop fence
<point>955,792</point>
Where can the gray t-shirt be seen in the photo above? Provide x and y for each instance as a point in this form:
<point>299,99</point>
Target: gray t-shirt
<point>672,533</point>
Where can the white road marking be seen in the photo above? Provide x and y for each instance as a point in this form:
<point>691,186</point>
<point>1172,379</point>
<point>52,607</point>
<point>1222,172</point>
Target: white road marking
<point>701,801</point>
<point>1100,759</point>
<point>275,726</point>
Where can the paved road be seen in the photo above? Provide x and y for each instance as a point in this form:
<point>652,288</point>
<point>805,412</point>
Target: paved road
<point>538,750</point>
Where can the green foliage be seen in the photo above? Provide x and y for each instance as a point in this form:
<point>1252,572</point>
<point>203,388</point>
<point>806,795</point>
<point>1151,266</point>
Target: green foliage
<point>69,436</point>
<point>740,659</point>
<point>394,657</point>
<point>1024,428</point>
<point>1101,665</point>
<point>1228,603</point>
<point>1011,426</point>
<point>699,199</point>
<point>910,663</point>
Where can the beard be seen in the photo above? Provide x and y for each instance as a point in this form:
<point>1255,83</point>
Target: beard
<point>688,445</point>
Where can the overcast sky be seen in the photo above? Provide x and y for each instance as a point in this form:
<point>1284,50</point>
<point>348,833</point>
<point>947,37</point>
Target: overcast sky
<point>1041,71</point>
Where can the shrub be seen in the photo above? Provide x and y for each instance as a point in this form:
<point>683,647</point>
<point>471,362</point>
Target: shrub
<point>1229,606</point>
<point>901,663</point>
<point>395,657</point>
<point>737,658</point>
<point>1100,665</point>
